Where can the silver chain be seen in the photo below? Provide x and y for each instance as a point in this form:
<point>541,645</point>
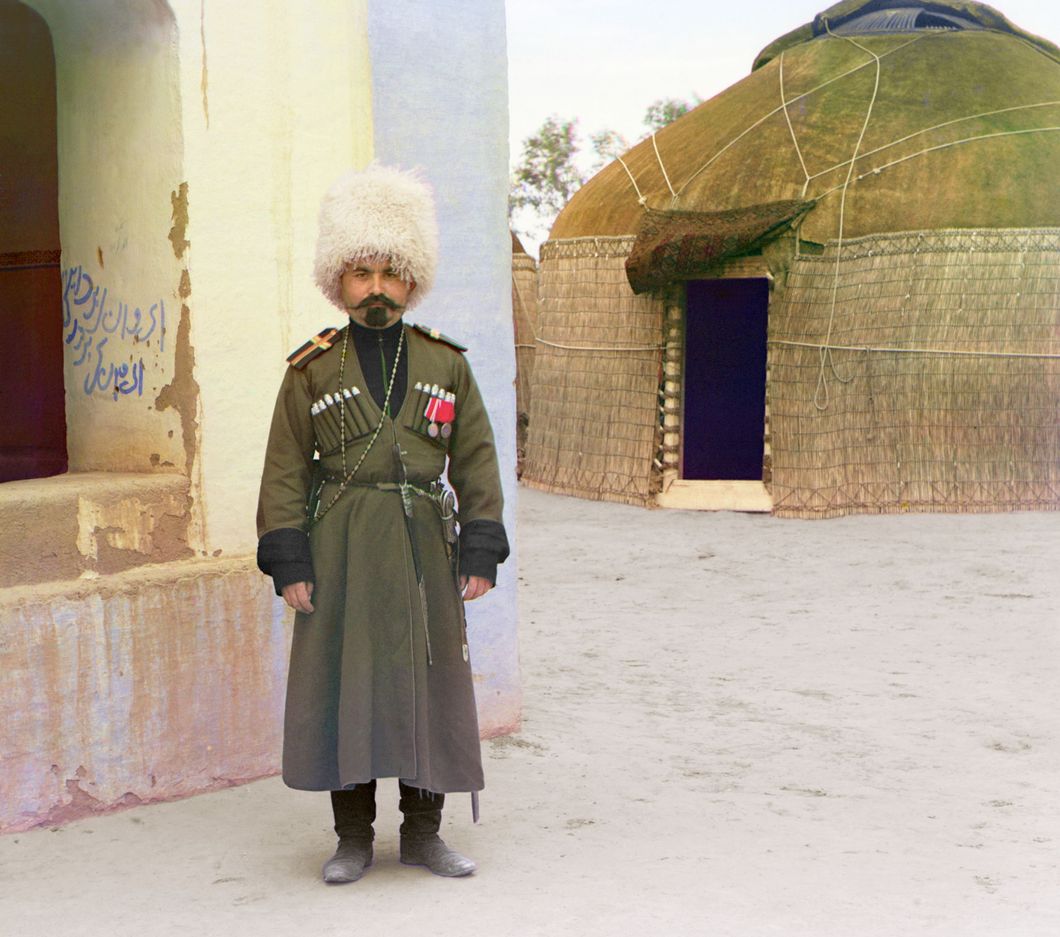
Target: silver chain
<point>347,475</point>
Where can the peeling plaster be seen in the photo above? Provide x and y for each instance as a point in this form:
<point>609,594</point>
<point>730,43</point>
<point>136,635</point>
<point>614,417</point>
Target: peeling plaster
<point>180,220</point>
<point>182,393</point>
<point>117,536</point>
<point>81,803</point>
<point>168,541</point>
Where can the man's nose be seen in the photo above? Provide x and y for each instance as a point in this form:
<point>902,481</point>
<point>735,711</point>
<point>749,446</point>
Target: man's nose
<point>378,280</point>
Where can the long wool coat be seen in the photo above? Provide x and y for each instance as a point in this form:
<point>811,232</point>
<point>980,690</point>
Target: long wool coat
<point>374,689</point>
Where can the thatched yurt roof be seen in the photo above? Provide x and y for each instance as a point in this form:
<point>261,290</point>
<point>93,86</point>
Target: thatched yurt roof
<point>853,16</point>
<point>940,140</point>
<point>894,166</point>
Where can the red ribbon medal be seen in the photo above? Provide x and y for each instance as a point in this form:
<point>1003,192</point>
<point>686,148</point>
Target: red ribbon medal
<point>440,411</point>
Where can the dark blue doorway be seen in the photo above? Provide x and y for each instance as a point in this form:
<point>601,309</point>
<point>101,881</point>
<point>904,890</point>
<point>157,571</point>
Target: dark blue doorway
<point>723,436</point>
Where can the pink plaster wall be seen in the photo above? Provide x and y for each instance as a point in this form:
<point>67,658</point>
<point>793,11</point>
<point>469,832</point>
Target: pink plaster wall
<point>143,686</point>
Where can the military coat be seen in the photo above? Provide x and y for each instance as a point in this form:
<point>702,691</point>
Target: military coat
<point>377,688</point>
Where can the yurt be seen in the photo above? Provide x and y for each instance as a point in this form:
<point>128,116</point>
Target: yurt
<point>830,289</point>
<point>524,316</point>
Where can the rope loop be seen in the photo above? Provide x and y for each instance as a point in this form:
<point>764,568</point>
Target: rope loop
<point>673,194</point>
<point>821,394</point>
<point>641,197</point>
<point>791,129</point>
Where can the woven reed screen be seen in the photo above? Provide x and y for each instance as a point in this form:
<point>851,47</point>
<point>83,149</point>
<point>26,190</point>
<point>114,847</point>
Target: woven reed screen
<point>594,427</point>
<point>886,431</point>
<point>524,313</point>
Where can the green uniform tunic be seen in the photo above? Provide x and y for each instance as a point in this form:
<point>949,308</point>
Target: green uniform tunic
<point>375,688</point>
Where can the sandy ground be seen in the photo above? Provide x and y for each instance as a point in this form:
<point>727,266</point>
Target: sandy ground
<point>734,725</point>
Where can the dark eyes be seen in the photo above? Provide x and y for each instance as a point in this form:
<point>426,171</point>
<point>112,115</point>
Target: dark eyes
<point>365,274</point>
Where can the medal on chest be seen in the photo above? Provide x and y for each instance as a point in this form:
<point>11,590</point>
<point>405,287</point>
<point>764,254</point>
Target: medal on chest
<point>439,409</point>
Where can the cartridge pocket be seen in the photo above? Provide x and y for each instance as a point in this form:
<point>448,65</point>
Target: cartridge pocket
<point>431,413</point>
<point>337,417</point>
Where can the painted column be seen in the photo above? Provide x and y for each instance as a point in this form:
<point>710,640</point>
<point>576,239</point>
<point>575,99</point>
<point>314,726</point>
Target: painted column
<point>439,81</point>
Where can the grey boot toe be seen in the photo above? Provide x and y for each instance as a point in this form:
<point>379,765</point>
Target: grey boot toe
<point>349,863</point>
<point>439,858</point>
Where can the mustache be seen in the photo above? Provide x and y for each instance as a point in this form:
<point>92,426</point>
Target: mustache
<point>377,299</point>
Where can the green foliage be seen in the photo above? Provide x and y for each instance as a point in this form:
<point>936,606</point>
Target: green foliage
<point>666,111</point>
<point>547,176</point>
<point>607,145</point>
<point>548,173</point>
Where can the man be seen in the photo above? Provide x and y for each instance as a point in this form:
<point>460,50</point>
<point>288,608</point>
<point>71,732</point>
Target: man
<point>361,538</point>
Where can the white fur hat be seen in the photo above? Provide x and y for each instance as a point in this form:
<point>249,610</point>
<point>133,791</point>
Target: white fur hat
<point>378,212</point>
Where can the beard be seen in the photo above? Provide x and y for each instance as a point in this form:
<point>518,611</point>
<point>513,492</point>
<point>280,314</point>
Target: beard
<point>378,309</point>
<point>376,317</point>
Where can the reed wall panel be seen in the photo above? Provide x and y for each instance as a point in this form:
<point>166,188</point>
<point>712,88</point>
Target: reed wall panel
<point>594,428</point>
<point>944,392</point>
<point>524,313</point>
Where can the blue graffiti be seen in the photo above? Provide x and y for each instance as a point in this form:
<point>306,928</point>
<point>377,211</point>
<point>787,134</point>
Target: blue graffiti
<point>92,319</point>
<point>121,379</point>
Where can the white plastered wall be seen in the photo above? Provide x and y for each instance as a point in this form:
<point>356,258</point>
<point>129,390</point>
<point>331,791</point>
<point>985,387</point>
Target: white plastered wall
<point>274,106</point>
<point>195,141</point>
<point>119,148</point>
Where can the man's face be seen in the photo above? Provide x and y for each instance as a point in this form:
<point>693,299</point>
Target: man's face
<point>374,295</point>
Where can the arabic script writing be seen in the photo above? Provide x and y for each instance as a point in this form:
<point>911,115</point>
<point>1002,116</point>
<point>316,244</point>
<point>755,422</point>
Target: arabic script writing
<point>100,329</point>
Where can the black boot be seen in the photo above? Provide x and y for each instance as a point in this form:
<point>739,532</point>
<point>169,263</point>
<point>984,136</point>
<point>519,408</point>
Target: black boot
<point>354,815</point>
<point>420,842</point>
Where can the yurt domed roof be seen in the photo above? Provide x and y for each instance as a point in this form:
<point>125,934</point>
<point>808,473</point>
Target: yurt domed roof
<point>899,115</point>
<point>854,17</point>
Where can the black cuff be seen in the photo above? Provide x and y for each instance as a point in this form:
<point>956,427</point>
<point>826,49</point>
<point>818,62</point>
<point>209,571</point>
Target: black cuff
<point>283,553</point>
<point>483,544</point>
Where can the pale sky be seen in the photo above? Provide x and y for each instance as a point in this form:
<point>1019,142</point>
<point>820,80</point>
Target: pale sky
<point>605,61</point>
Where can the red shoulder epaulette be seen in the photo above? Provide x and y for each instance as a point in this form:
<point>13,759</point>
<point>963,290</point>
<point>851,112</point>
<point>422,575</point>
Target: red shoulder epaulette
<point>316,346</point>
<point>439,337</point>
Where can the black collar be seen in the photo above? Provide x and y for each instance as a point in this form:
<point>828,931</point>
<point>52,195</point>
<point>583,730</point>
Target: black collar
<point>364,334</point>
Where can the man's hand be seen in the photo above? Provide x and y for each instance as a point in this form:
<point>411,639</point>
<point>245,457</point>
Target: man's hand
<point>474,586</point>
<point>297,595</point>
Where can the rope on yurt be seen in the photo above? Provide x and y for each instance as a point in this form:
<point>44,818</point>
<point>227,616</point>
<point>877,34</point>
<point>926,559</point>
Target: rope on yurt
<point>876,170</point>
<point>943,146</point>
<point>673,194</point>
<point>1052,58</point>
<point>820,394</point>
<point>956,120</point>
<point>641,199</point>
<point>619,348</point>
<point>791,129</point>
<point>777,110</point>
<point>942,352</point>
